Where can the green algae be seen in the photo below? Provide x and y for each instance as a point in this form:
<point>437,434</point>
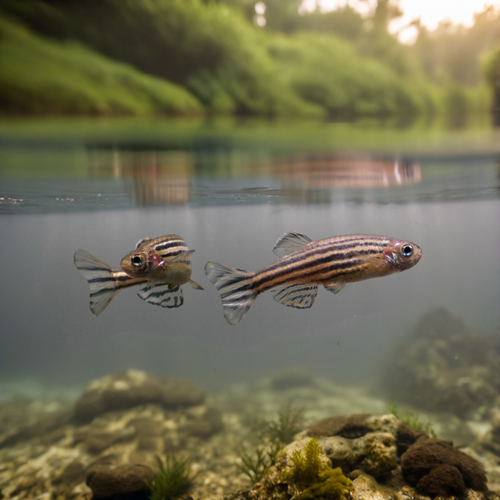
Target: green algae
<point>332,485</point>
<point>312,478</point>
<point>307,465</point>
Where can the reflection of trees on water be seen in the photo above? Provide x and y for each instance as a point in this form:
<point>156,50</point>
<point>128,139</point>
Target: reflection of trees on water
<point>316,173</point>
<point>166,176</point>
<point>152,177</point>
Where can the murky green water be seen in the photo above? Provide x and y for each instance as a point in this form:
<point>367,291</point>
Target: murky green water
<point>426,338</point>
<point>231,189</point>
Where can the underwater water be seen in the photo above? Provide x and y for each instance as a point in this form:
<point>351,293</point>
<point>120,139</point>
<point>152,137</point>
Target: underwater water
<point>231,192</point>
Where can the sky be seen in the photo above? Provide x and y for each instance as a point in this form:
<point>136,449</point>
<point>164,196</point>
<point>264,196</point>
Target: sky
<point>431,12</point>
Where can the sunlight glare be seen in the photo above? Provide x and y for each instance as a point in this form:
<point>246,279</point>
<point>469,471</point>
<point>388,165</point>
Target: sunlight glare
<point>431,12</point>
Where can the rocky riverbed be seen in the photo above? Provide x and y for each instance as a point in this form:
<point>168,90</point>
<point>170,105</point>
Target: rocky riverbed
<point>106,443</point>
<point>121,423</point>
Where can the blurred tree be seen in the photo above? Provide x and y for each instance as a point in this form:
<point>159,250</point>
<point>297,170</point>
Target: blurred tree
<point>344,22</point>
<point>246,7</point>
<point>491,70</point>
<point>453,51</point>
<point>385,12</point>
<point>283,15</point>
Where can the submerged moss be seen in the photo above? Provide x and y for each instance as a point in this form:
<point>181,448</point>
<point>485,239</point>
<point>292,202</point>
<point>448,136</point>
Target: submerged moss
<point>307,465</point>
<point>332,485</point>
<point>312,478</point>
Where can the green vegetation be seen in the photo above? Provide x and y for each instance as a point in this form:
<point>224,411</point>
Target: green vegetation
<point>274,436</point>
<point>41,76</point>
<point>185,56</point>
<point>255,467</point>
<point>314,479</point>
<point>412,420</point>
<point>307,465</point>
<point>172,481</point>
<point>491,71</point>
<point>345,83</point>
<point>281,432</point>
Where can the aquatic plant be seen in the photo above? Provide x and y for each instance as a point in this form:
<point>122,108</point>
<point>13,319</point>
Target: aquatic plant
<point>290,422</point>
<point>412,420</point>
<point>274,435</point>
<point>307,465</point>
<point>255,467</point>
<point>173,479</point>
<point>314,479</point>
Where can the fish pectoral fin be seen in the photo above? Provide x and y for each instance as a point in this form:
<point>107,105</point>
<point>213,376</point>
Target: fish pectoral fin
<point>195,285</point>
<point>142,242</point>
<point>290,243</point>
<point>180,257</point>
<point>160,294</point>
<point>300,296</point>
<point>334,286</point>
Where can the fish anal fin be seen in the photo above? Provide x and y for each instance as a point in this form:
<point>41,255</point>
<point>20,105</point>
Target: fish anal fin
<point>300,296</point>
<point>195,285</point>
<point>161,294</point>
<point>290,243</point>
<point>334,286</point>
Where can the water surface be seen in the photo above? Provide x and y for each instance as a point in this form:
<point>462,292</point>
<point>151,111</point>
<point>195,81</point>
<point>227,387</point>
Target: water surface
<point>231,190</point>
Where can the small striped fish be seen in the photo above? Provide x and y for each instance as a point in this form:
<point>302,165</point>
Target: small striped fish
<point>161,265</point>
<point>304,264</point>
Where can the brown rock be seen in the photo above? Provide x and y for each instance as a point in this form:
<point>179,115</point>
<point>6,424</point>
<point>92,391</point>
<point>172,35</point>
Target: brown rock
<point>131,388</point>
<point>426,455</point>
<point>350,427</point>
<point>119,482</point>
<point>206,422</point>
<point>444,480</point>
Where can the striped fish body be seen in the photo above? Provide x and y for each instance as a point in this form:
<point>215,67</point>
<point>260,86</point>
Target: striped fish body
<point>166,259</point>
<point>160,265</point>
<point>304,265</point>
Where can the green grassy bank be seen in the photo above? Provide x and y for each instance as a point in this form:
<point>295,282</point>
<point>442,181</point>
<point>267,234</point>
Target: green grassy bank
<point>39,76</point>
<point>194,56</point>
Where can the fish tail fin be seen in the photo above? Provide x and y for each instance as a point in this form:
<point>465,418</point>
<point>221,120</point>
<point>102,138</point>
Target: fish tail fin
<point>103,286</point>
<point>235,289</point>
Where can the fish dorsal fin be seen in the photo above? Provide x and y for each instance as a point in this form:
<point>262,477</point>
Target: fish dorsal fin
<point>300,296</point>
<point>334,286</point>
<point>142,242</point>
<point>160,294</point>
<point>290,243</point>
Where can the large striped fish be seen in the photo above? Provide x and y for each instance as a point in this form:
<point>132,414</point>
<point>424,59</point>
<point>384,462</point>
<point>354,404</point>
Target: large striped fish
<point>161,265</point>
<point>304,264</point>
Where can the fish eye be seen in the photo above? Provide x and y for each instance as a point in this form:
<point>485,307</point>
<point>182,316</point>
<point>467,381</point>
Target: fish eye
<point>407,250</point>
<point>137,260</point>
